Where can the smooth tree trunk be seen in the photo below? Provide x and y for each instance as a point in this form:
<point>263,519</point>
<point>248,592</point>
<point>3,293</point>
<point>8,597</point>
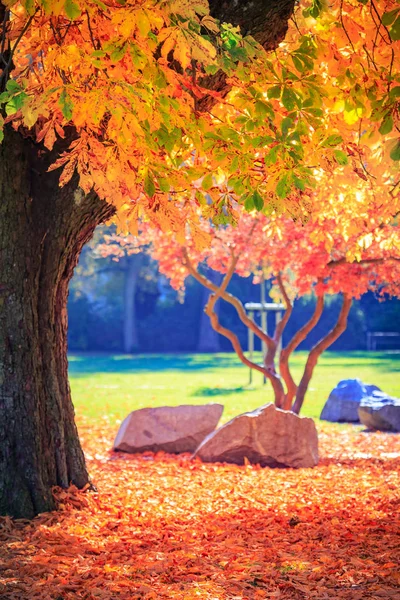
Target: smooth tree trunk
<point>131,338</point>
<point>42,231</point>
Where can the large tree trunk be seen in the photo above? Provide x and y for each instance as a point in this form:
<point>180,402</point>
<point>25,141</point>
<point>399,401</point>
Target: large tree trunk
<point>42,231</point>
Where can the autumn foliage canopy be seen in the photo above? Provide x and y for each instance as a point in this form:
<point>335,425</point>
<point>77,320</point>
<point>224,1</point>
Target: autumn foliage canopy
<point>134,89</point>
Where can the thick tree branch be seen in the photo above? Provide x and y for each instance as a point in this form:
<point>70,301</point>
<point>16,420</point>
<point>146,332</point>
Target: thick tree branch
<point>318,349</point>
<point>265,20</point>
<point>296,340</point>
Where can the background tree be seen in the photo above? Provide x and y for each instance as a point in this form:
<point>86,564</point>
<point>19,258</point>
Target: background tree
<point>138,108</point>
<point>299,261</point>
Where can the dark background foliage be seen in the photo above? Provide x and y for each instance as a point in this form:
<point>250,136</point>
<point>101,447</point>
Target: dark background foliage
<point>167,323</point>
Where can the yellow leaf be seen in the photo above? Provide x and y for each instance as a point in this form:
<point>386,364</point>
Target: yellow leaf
<point>182,52</point>
<point>352,116</point>
<point>143,23</point>
<point>30,115</point>
<point>203,50</point>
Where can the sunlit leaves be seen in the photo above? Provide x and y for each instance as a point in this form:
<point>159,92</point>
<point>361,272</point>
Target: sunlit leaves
<point>66,104</point>
<point>395,151</point>
<point>133,79</point>
<point>72,9</point>
<point>341,157</point>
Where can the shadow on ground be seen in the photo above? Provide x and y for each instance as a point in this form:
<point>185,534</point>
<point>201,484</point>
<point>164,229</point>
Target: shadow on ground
<point>207,392</point>
<point>86,364</point>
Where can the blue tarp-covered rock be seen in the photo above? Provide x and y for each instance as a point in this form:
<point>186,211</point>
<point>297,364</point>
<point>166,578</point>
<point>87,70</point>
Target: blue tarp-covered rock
<point>380,411</point>
<point>344,400</point>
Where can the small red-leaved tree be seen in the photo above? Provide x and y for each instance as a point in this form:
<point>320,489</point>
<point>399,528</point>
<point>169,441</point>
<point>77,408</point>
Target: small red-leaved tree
<point>300,259</point>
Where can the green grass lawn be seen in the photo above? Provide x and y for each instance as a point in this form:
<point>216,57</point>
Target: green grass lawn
<point>113,385</point>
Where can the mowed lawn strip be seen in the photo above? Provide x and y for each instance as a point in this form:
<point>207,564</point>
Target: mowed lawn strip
<point>111,386</point>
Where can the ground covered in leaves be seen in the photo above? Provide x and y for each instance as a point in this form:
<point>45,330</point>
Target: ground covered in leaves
<point>167,527</point>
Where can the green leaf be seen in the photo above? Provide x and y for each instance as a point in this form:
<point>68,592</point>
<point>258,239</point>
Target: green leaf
<point>1,129</point>
<point>315,9</point>
<point>287,123</point>
<point>283,187</point>
<point>118,53</point>
<point>389,17</point>
<point>274,92</point>
<point>332,140</point>
<point>387,125</point>
<point>149,187</point>
<point>30,7</point>
<point>299,183</point>
<point>15,103</point>
<point>66,104</point>
<point>72,10</point>
<point>12,86</point>
<point>211,69</point>
<point>288,98</point>
<point>395,92</point>
<point>298,63</point>
<point>272,155</point>
<point>263,109</point>
<point>258,200</point>
<point>207,182</point>
<point>163,184</point>
<point>395,30</point>
<point>249,203</point>
<point>341,157</point>
<point>395,152</point>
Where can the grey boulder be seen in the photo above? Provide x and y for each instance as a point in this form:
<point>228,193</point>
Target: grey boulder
<point>266,436</point>
<point>380,411</point>
<point>171,429</point>
<point>344,400</point>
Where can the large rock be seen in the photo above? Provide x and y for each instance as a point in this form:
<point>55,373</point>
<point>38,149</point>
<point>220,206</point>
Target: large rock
<point>266,436</point>
<point>344,400</point>
<point>380,411</point>
<point>172,429</point>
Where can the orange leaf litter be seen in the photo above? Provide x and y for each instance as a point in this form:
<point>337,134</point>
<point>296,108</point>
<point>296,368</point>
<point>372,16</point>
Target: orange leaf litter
<point>163,526</point>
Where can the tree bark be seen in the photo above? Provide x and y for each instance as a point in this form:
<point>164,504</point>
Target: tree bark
<point>42,231</point>
<point>131,339</point>
<point>265,20</point>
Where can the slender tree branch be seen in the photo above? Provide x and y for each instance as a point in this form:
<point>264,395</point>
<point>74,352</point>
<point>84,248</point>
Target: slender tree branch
<point>235,302</point>
<point>288,312</point>
<point>8,65</point>
<point>220,292</point>
<point>364,261</point>
<point>269,359</point>
<point>300,336</point>
<point>318,349</point>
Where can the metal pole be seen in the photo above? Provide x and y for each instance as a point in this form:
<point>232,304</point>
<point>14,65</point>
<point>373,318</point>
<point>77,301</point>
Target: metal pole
<point>278,316</point>
<point>263,321</point>
<point>251,346</point>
